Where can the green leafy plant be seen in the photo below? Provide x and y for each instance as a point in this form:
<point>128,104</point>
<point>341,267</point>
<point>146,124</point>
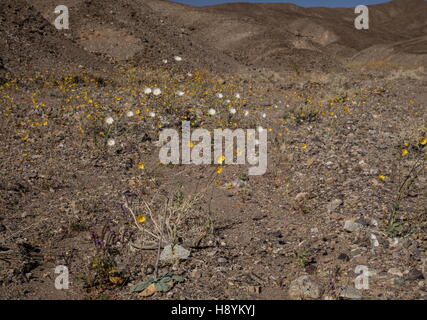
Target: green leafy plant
<point>162,283</point>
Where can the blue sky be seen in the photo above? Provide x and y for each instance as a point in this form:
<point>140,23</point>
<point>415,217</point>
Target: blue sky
<point>302,3</point>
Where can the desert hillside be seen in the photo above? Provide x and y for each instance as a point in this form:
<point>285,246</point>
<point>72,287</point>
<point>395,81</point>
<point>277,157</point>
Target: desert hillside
<point>83,184</point>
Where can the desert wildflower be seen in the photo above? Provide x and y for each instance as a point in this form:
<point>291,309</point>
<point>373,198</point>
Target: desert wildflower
<point>141,165</point>
<point>233,110</point>
<point>211,112</point>
<point>147,90</point>
<point>180,93</point>
<point>304,146</point>
<point>237,95</point>
<point>157,91</point>
<point>165,61</point>
<point>246,113</point>
<point>140,219</point>
<point>109,120</point>
<point>423,141</point>
<point>115,280</point>
<point>152,114</point>
<point>404,152</point>
<point>218,170</point>
<point>178,58</point>
<point>130,114</point>
<point>220,159</point>
<point>191,144</point>
<point>220,95</point>
<point>260,129</point>
<point>381,177</point>
<point>111,142</point>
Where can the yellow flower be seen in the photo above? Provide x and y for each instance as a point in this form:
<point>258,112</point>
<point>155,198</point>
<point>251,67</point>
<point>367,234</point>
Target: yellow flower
<point>404,152</point>
<point>221,159</point>
<point>423,141</point>
<point>116,280</point>
<point>381,177</point>
<point>191,144</point>
<point>140,219</point>
<point>141,165</point>
<point>218,170</point>
<point>406,144</point>
<point>304,146</point>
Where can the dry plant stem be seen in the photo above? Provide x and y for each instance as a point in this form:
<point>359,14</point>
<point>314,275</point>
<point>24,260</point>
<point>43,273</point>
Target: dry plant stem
<point>126,205</point>
<point>156,269</point>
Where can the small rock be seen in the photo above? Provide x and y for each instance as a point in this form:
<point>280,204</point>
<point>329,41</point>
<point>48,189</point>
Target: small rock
<point>413,275</point>
<point>301,196</point>
<point>374,240</point>
<point>395,272</point>
<point>276,234</point>
<point>171,253</point>
<point>333,205</point>
<point>304,287</point>
<point>363,222</point>
<point>254,289</point>
<point>343,257</point>
<point>196,274</point>
<point>222,260</point>
<point>348,292</point>
<point>352,226</point>
<point>238,183</point>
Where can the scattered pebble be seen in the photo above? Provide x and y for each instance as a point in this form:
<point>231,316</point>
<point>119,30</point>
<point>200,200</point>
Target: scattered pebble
<point>305,287</point>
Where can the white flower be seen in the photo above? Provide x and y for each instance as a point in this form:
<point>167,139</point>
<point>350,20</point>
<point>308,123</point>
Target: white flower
<point>219,95</point>
<point>177,58</point>
<point>233,110</point>
<point>263,115</point>
<point>147,90</point>
<point>180,93</point>
<point>157,91</point>
<point>246,113</point>
<point>129,114</point>
<point>237,95</point>
<point>189,74</point>
<point>211,112</point>
<point>227,101</point>
<point>165,61</point>
<point>152,114</point>
<point>109,120</point>
<point>260,129</point>
<point>111,142</point>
